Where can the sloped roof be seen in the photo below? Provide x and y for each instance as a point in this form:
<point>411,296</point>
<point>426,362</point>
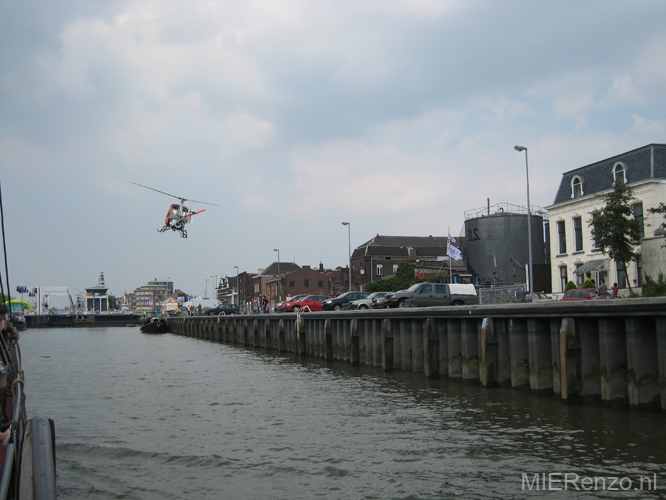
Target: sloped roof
<point>285,267</point>
<point>645,163</point>
<point>398,246</point>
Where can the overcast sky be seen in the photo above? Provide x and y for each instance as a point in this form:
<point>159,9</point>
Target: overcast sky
<point>396,116</point>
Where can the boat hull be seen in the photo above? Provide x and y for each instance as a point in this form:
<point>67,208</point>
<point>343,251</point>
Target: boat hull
<point>155,327</point>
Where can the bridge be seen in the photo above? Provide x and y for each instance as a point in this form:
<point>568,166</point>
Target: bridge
<point>607,351</point>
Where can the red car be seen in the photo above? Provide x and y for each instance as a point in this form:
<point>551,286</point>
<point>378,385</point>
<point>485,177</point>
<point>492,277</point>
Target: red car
<point>280,306</point>
<point>583,294</point>
<point>309,303</point>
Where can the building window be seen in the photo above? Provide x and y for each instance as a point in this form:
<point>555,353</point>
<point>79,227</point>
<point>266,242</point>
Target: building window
<point>380,270</point>
<point>639,272</point>
<point>292,284</point>
<point>320,284</point>
<point>579,277</point>
<point>562,237</point>
<point>576,187</point>
<point>638,215</point>
<point>621,275</point>
<point>306,283</point>
<point>563,277</point>
<point>594,219</point>
<point>395,268</point>
<point>578,234</point>
<point>620,173</point>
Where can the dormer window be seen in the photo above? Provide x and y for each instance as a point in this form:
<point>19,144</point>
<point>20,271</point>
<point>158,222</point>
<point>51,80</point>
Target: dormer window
<point>576,187</point>
<point>620,173</point>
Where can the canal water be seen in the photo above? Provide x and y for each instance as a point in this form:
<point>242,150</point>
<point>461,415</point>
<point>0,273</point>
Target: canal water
<point>169,417</point>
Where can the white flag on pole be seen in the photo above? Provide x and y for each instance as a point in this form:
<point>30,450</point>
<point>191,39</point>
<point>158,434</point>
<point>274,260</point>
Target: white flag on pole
<point>452,239</point>
<point>453,252</point>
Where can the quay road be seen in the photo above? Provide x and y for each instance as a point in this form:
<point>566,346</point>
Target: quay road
<point>608,351</point>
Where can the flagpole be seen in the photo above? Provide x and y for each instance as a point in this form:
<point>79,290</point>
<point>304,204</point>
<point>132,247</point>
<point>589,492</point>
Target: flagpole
<point>448,242</point>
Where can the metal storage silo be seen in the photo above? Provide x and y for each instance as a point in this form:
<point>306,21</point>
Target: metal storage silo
<point>498,234</point>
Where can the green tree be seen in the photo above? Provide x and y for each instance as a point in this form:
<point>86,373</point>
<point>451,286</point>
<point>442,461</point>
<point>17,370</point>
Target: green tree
<point>653,288</point>
<point>570,286</point>
<point>661,209</point>
<point>615,229</point>
<point>404,278</point>
<point>112,302</point>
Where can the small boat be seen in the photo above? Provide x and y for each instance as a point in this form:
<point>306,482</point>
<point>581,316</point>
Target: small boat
<point>18,320</point>
<point>155,325</point>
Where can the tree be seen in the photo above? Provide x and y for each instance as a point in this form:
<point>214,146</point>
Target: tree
<point>615,229</point>
<point>661,209</point>
<point>653,288</point>
<point>404,278</point>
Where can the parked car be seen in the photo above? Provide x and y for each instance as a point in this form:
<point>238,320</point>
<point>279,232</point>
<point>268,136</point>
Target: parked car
<point>307,303</point>
<point>366,302</point>
<point>341,301</point>
<point>379,302</point>
<point>584,294</point>
<point>523,296</point>
<point>222,309</point>
<point>280,306</point>
<point>434,294</point>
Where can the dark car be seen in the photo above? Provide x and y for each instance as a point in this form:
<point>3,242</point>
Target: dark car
<point>307,303</point>
<point>222,309</point>
<point>584,294</point>
<point>341,301</point>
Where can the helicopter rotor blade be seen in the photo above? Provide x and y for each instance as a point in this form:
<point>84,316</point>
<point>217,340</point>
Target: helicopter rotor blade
<point>202,202</point>
<point>153,189</point>
<point>182,200</point>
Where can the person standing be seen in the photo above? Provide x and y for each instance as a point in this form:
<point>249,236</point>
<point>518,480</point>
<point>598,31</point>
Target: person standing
<point>264,303</point>
<point>603,288</point>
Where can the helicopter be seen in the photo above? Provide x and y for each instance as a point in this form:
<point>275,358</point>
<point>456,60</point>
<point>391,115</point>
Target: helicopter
<point>178,214</point>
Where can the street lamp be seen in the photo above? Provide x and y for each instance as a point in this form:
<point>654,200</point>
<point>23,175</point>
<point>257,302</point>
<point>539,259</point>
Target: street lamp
<point>206,292</point>
<point>213,277</point>
<point>237,286</point>
<point>349,234</point>
<point>529,222</point>
<point>278,284</point>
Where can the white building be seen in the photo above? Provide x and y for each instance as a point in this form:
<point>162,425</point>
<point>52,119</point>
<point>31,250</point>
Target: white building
<point>574,254</point>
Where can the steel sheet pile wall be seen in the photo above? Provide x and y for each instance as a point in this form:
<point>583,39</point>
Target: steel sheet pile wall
<point>612,351</point>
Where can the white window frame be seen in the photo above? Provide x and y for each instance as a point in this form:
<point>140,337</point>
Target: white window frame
<point>574,184</point>
<point>380,270</point>
<point>620,166</point>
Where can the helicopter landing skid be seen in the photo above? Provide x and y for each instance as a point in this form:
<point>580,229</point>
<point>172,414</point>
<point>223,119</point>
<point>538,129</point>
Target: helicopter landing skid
<point>183,232</point>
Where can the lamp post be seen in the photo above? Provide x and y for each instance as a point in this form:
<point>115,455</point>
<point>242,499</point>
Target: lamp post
<point>278,283</point>
<point>529,221</point>
<point>206,291</point>
<point>212,277</point>
<point>349,235</point>
<point>237,286</point>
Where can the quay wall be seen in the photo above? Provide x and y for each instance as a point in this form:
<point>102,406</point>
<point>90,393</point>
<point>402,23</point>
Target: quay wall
<point>80,320</point>
<point>607,351</point>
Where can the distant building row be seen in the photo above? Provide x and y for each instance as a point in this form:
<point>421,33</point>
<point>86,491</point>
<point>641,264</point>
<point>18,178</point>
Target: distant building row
<point>494,246</point>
